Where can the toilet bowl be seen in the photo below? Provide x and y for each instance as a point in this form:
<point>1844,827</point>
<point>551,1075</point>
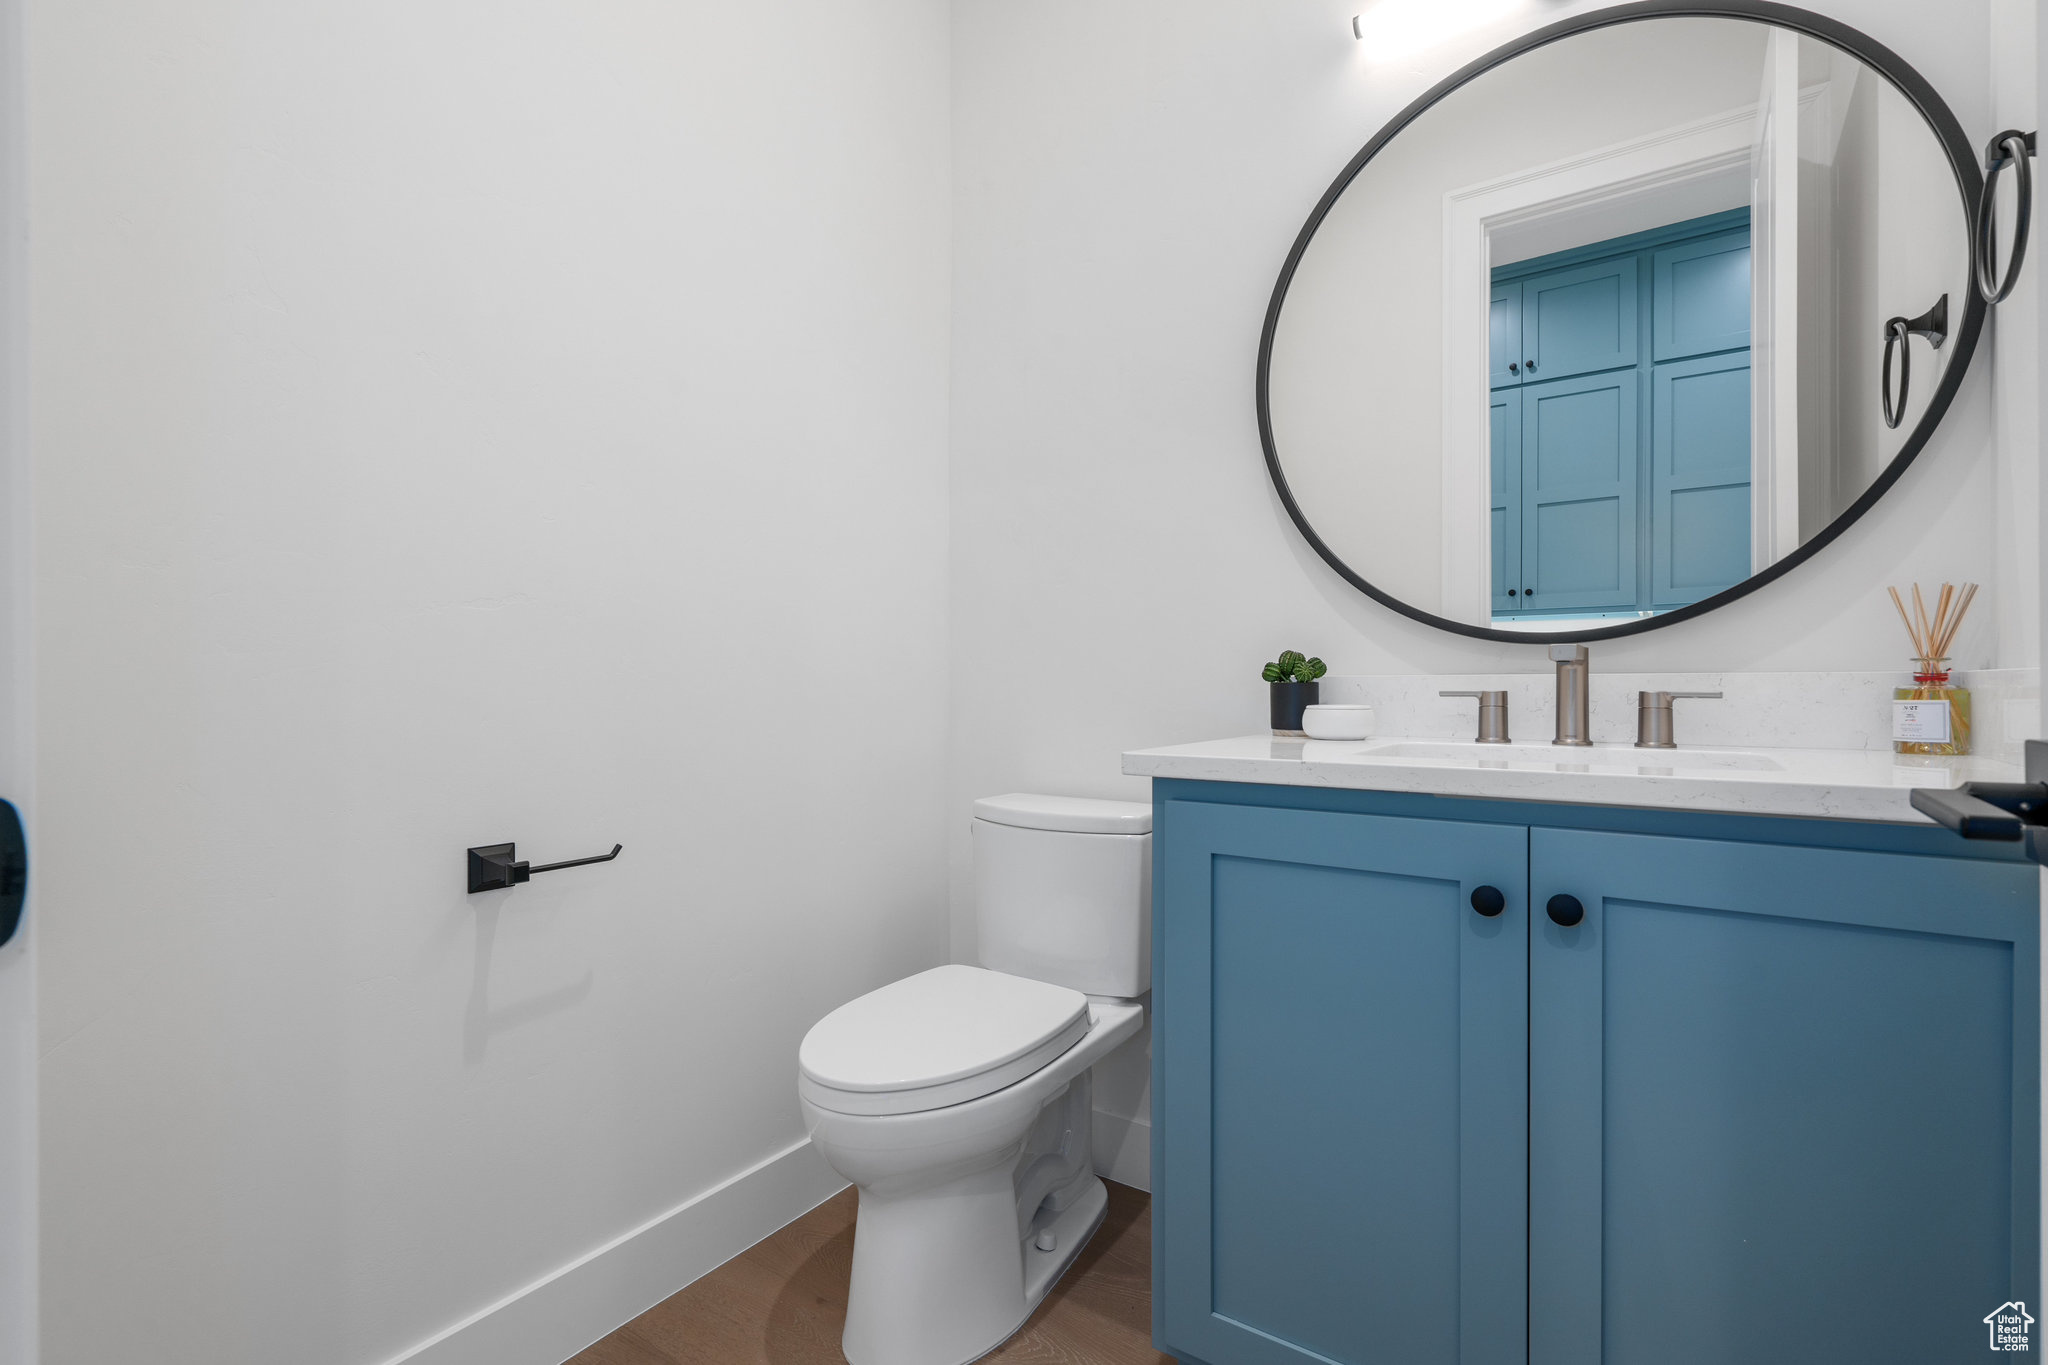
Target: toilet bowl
<point>958,1100</point>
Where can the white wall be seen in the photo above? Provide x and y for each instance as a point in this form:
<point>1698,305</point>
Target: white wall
<point>453,423</point>
<point>2016,351</point>
<point>18,1218</point>
<point>1121,565</point>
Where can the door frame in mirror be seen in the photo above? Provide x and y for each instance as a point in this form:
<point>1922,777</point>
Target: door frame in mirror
<point>1879,58</point>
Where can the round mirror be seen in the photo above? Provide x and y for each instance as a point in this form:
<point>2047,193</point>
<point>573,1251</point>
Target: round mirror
<point>1622,321</point>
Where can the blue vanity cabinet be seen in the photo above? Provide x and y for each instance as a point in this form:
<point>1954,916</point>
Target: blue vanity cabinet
<point>1773,1098</point>
<point>1345,1113</point>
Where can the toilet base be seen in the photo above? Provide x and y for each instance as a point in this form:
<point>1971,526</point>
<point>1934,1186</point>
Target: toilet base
<point>1072,1230</point>
<point>958,1319</point>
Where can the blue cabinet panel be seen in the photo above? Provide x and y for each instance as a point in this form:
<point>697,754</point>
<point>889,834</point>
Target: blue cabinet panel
<point>1578,492</point>
<point>1504,516</point>
<point>1342,1089</point>
<point>1782,1102</point>
<point>1579,320</point>
<point>1504,335</point>
<point>1700,477</point>
<point>1701,296</point>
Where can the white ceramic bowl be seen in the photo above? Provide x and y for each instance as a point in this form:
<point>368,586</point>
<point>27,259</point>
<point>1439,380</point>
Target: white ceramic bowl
<point>1337,722</point>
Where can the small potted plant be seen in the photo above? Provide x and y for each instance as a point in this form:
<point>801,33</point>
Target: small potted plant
<point>1295,689</point>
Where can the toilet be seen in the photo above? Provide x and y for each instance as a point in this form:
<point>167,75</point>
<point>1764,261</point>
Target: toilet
<point>958,1100</point>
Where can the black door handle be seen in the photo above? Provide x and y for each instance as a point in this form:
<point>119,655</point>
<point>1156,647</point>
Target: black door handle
<point>2015,812</point>
<point>1488,901</point>
<point>1983,810</point>
<point>1565,911</point>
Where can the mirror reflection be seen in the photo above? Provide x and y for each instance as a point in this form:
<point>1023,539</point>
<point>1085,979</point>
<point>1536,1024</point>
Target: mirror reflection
<point>1599,334</point>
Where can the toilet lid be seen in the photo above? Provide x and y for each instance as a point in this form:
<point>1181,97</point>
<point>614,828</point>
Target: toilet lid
<point>941,1037</point>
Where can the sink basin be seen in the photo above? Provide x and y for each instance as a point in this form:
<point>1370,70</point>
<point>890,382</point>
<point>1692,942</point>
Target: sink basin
<point>1551,756</point>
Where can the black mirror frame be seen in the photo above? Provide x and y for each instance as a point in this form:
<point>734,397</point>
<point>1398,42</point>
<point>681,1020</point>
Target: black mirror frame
<point>1907,81</point>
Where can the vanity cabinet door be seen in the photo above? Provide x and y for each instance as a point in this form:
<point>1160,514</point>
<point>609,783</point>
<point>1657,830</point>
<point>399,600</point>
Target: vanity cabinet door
<point>1342,1070</point>
<point>1783,1102</point>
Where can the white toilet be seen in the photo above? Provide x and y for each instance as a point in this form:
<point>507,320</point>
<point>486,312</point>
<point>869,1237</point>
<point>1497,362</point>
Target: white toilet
<point>958,1100</point>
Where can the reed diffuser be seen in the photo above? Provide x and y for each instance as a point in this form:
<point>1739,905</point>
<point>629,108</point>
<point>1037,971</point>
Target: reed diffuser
<point>1931,717</point>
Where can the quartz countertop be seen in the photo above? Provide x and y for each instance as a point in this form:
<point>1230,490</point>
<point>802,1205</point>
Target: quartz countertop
<point>1838,784</point>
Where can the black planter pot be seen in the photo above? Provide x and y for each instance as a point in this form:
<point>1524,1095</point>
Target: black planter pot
<point>1290,699</point>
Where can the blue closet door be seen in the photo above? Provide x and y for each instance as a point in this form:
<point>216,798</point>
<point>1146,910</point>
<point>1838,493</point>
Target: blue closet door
<point>1579,320</point>
<point>1343,1100</point>
<point>1504,335</point>
<point>1783,1103</point>
<point>1579,446</point>
<point>1505,481</point>
<point>1700,296</point>
<point>1700,440</point>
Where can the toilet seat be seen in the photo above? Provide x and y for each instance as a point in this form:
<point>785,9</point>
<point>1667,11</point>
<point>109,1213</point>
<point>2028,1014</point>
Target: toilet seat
<point>938,1038</point>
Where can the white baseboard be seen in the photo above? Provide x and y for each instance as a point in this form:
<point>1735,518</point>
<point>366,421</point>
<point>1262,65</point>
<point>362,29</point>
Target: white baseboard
<point>1123,1150</point>
<point>564,1311</point>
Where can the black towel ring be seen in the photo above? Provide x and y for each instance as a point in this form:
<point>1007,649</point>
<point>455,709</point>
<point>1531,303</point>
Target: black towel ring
<point>1898,335</point>
<point>2015,149</point>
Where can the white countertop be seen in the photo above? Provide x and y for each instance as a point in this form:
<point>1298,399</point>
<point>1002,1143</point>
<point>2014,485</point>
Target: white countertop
<point>1838,784</point>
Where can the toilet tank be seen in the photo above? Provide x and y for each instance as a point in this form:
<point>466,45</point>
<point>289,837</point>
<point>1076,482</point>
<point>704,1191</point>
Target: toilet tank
<point>1063,891</point>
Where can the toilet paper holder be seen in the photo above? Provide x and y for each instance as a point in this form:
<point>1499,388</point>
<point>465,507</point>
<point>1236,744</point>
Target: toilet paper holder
<point>492,867</point>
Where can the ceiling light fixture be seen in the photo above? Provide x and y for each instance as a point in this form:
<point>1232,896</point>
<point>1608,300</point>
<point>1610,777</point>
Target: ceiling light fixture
<point>1396,29</point>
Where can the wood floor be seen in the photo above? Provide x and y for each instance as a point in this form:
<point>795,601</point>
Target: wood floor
<point>783,1302</point>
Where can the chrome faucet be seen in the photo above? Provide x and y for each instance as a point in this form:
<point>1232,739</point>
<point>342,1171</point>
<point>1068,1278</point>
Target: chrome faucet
<point>1493,715</point>
<point>1573,666</point>
<point>1653,717</point>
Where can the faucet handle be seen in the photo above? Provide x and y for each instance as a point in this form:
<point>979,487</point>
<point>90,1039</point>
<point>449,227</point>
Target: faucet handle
<point>1653,717</point>
<point>1493,715</point>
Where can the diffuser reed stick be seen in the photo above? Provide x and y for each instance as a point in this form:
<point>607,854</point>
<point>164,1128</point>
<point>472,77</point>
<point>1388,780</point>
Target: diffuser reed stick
<point>1931,717</point>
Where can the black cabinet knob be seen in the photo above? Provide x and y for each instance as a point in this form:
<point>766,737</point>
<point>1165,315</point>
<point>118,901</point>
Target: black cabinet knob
<point>1511,592</point>
<point>1488,901</point>
<point>1532,367</point>
<point>1565,911</point>
<point>1513,368</point>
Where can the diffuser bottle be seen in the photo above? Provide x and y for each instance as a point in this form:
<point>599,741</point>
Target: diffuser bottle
<point>1931,717</point>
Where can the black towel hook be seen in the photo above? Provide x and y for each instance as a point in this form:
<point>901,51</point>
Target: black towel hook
<point>492,866</point>
<point>2015,149</point>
